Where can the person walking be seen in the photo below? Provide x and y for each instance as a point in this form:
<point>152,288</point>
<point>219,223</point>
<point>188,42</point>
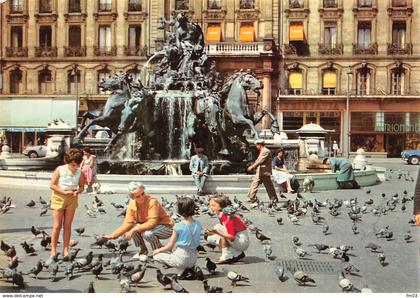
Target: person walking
<point>67,182</point>
<point>145,219</point>
<point>89,168</point>
<point>199,167</point>
<point>263,172</point>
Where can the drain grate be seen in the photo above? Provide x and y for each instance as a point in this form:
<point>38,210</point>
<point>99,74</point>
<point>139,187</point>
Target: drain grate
<point>316,267</point>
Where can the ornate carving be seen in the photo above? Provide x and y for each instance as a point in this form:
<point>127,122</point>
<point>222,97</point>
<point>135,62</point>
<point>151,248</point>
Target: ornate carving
<point>135,16</point>
<point>365,12</point>
<point>17,18</point>
<point>75,17</point>
<point>105,16</point>
<point>214,14</point>
<point>17,51</point>
<point>247,14</point>
<point>46,17</point>
<point>135,51</point>
<point>297,13</point>
<point>331,13</point>
<point>105,51</point>
<point>326,49</point>
<point>370,49</point>
<point>395,49</point>
<point>74,51</point>
<point>46,51</point>
<point>400,11</point>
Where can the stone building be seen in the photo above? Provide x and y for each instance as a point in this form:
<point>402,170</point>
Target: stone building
<point>368,48</point>
<point>54,52</point>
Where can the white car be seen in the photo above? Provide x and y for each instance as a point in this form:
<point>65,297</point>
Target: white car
<point>35,151</point>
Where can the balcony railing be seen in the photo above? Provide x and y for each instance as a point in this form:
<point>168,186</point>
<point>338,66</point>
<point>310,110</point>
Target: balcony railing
<point>133,6</point>
<point>46,51</point>
<point>363,49</point>
<point>396,49</point>
<point>105,7</point>
<point>105,51</point>
<point>135,51</point>
<point>235,48</point>
<point>329,49</point>
<point>16,8</point>
<point>16,51</point>
<point>74,51</point>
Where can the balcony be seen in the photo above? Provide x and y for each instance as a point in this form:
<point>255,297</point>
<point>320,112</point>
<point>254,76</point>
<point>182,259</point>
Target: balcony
<point>238,49</point>
<point>16,51</point>
<point>363,49</point>
<point>105,51</point>
<point>135,51</point>
<point>133,6</point>
<point>74,51</point>
<point>329,49</point>
<point>396,49</point>
<point>46,51</point>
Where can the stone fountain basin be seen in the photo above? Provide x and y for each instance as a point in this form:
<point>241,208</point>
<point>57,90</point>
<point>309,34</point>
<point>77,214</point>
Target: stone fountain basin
<point>227,184</point>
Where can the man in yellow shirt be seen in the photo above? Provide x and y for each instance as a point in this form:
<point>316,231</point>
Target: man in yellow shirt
<point>145,219</point>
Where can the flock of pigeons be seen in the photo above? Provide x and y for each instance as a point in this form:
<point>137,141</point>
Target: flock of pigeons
<point>130,272</point>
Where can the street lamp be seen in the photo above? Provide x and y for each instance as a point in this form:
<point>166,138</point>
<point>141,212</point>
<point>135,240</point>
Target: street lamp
<point>75,72</point>
<point>347,118</point>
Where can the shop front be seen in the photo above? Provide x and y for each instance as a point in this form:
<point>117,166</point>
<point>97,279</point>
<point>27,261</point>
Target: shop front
<point>390,132</point>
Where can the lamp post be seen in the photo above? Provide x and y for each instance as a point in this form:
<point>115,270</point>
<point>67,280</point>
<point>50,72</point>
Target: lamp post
<point>74,72</point>
<point>347,118</point>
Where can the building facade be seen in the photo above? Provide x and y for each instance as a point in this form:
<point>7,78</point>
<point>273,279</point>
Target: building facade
<point>364,48</point>
<point>58,49</point>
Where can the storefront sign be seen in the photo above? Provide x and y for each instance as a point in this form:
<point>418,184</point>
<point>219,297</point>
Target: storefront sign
<point>398,127</point>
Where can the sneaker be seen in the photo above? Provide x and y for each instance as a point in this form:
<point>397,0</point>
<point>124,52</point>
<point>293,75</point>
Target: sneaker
<point>227,261</point>
<point>241,256</point>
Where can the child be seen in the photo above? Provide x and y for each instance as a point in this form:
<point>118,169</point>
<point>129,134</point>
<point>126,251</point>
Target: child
<point>89,167</point>
<point>186,237</point>
<point>67,182</point>
<point>231,235</point>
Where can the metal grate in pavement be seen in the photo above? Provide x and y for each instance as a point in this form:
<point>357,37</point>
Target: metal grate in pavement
<point>315,267</point>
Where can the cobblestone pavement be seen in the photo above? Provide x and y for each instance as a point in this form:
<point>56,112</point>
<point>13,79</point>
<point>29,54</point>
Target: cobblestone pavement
<point>400,275</point>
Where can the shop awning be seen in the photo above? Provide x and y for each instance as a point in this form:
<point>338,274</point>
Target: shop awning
<point>214,33</point>
<point>329,79</point>
<point>246,33</point>
<point>295,80</point>
<point>296,32</point>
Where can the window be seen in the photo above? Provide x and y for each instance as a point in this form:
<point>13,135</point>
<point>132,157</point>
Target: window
<point>181,5</point>
<point>44,6</point>
<point>15,77</point>
<point>330,3</point>
<point>105,5</point>
<point>74,6</point>
<point>246,4</point>
<point>45,36</point>
<point>246,32</point>
<point>363,81</point>
<point>102,75</point>
<point>214,32</point>
<point>16,37</point>
<point>134,36</point>
<point>398,34</point>
<point>329,82</point>
<point>364,34</point>
<point>296,3</point>
<point>73,82</point>
<point>134,5</point>
<point>75,36</point>
<point>295,82</point>
<point>44,81</point>
<point>104,41</point>
<point>365,3</point>
<point>397,81</point>
<point>399,3</point>
<point>330,35</point>
<point>214,4</point>
<point>16,6</point>
<point>296,31</point>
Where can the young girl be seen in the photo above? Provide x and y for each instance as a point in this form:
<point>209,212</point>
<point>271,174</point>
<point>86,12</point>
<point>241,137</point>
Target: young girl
<point>186,238</point>
<point>231,235</point>
<point>67,182</point>
<point>89,167</point>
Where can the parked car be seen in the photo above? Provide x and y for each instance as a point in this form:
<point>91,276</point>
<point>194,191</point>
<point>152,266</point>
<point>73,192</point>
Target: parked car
<point>411,156</point>
<point>35,151</point>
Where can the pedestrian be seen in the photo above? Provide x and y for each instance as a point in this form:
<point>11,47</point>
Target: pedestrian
<point>262,174</point>
<point>335,148</point>
<point>67,182</point>
<point>185,237</point>
<point>416,201</point>
<point>89,168</point>
<point>281,174</point>
<point>345,178</point>
<point>145,219</point>
<point>199,167</point>
<point>230,234</point>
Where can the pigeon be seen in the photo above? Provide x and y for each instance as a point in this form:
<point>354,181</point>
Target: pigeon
<point>111,245</point>
<point>295,240</point>
<point>117,206</point>
<point>83,262</point>
<point>97,270</point>
<point>235,278</point>
<point>17,279</point>
<point>135,278</point>
<point>381,259</point>
<point>268,251</point>
<point>46,240</point>
<point>279,220</point>
<point>345,284</point>
<point>212,289</point>
<point>368,191</point>
<point>71,256</point>
<point>35,231</point>
<point>53,269</point>
<point>407,236</point>
<point>98,202</point>
<point>13,263</point>
<point>11,252</point>
<point>97,261</point>
<point>279,270</point>
<point>211,266</point>
<point>42,201</point>
<point>100,241</point>
<point>31,204</point>
<point>349,268</point>
<point>68,271</point>
<point>201,248</point>
<point>123,245</point>
<point>51,260</point>
<point>293,218</point>
<point>354,229</point>
<point>301,253</point>
<point>43,212</point>
<point>319,247</point>
<point>325,229</point>
<point>80,231</point>
<point>260,236</point>
<point>163,279</point>
<point>36,269</point>
<point>125,285</point>
<point>4,246</point>
<point>29,248</point>
<point>122,213</point>
<point>199,275</point>
<point>177,287</point>
<point>302,278</point>
<point>90,288</point>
